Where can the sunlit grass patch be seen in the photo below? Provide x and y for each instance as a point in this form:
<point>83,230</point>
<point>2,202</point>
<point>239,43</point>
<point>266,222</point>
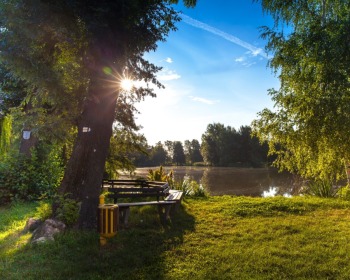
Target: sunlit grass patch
<point>311,244</point>
<point>207,238</point>
<point>272,206</point>
<point>12,222</point>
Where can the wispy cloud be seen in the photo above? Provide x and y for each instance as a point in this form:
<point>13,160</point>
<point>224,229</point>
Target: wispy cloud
<point>169,60</point>
<point>168,75</point>
<point>245,61</point>
<point>201,25</point>
<point>240,59</point>
<point>204,100</point>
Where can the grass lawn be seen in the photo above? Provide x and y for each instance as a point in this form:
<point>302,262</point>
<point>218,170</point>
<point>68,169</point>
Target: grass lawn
<point>208,238</point>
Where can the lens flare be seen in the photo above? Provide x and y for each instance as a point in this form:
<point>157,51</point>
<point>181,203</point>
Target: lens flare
<point>126,84</point>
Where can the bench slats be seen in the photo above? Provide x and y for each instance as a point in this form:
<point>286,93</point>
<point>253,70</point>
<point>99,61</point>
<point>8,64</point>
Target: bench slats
<point>144,203</point>
<point>135,189</point>
<point>174,195</point>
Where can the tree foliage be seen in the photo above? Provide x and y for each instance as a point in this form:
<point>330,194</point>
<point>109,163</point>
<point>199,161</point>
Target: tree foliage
<point>224,146</point>
<point>41,51</point>
<point>125,143</point>
<point>192,151</point>
<point>5,135</point>
<point>72,55</point>
<point>309,128</point>
<point>178,153</point>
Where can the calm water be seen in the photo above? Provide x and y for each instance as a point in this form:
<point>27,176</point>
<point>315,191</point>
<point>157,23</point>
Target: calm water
<point>234,181</point>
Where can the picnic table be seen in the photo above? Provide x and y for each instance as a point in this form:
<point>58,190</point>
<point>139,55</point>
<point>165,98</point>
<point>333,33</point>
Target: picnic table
<point>166,199</point>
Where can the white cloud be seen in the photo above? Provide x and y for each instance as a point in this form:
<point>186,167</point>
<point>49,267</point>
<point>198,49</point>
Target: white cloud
<point>204,100</point>
<point>247,59</point>
<point>240,59</point>
<point>201,25</point>
<point>169,60</point>
<point>168,75</point>
<point>257,52</point>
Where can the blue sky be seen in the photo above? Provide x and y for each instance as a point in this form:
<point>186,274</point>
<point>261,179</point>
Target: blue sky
<point>214,71</point>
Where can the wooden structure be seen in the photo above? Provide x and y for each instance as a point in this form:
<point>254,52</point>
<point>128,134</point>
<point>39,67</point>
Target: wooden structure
<point>167,200</point>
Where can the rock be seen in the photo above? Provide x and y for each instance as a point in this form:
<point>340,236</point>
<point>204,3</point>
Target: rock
<point>32,224</point>
<point>47,230</point>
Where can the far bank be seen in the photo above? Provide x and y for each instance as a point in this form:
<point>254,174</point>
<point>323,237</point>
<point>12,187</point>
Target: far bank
<point>254,182</point>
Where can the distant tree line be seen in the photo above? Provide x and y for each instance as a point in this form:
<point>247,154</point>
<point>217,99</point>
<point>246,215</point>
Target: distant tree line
<point>225,146</point>
<point>170,153</point>
<point>221,146</point>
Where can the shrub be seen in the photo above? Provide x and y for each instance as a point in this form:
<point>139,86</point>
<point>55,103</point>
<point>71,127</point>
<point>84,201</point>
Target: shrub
<point>160,175</point>
<point>344,193</point>
<point>191,187</point>
<point>30,178</point>
<point>199,164</point>
<point>67,209</point>
<point>320,188</point>
<point>44,210</point>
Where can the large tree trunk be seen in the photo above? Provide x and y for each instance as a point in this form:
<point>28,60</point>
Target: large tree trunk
<point>84,172</point>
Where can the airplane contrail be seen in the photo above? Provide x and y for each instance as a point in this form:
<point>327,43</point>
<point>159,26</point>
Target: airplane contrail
<point>201,25</point>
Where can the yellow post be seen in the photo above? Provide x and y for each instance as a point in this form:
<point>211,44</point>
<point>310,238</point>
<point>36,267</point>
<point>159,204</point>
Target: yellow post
<point>102,199</point>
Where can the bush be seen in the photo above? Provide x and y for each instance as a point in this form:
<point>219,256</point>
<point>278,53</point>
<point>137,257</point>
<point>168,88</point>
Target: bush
<point>160,175</point>
<point>344,193</point>
<point>199,164</point>
<point>191,187</point>
<point>44,210</point>
<point>67,209</point>
<point>30,178</point>
<point>320,188</point>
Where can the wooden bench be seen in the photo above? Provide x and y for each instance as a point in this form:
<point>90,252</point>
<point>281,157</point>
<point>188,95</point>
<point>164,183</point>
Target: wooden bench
<point>142,188</point>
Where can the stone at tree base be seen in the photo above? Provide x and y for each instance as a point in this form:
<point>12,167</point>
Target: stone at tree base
<point>47,230</point>
<point>32,224</point>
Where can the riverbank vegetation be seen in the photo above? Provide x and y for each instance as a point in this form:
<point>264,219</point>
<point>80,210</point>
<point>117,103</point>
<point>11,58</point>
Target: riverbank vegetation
<point>221,146</point>
<point>208,238</point>
<point>308,129</point>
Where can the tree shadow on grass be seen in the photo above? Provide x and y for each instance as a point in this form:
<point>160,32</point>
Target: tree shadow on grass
<point>139,252</point>
<point>142,248</point>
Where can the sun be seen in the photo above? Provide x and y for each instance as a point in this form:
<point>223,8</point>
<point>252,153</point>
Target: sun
<point>126,84</point>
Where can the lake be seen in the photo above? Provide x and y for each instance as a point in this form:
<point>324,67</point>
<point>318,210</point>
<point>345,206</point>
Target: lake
<point>234,181</point>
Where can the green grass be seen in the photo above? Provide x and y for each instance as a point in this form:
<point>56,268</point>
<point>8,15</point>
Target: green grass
<point>208,238</point>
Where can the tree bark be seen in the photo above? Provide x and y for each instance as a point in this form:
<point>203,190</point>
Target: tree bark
<point>84,172</point>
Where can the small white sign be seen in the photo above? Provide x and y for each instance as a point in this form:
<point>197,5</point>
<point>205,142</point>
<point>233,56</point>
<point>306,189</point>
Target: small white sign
<point>26,134</point>
<point>86,129</point>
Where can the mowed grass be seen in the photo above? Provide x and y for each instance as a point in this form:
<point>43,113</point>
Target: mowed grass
<point>208,238</point>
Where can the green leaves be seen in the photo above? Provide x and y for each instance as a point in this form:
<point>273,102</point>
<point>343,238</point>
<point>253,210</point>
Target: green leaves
<point>224,146</point>
<point>24,178</point>
<point>5,135</point>
<point>309,127</point>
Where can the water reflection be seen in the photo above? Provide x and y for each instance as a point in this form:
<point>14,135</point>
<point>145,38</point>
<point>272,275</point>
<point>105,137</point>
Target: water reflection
<point>273,191</point>
<point>245,181</point>
<point>235,181</point>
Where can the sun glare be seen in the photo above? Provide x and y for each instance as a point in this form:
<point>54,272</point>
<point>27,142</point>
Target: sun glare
<point>126,84</point>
